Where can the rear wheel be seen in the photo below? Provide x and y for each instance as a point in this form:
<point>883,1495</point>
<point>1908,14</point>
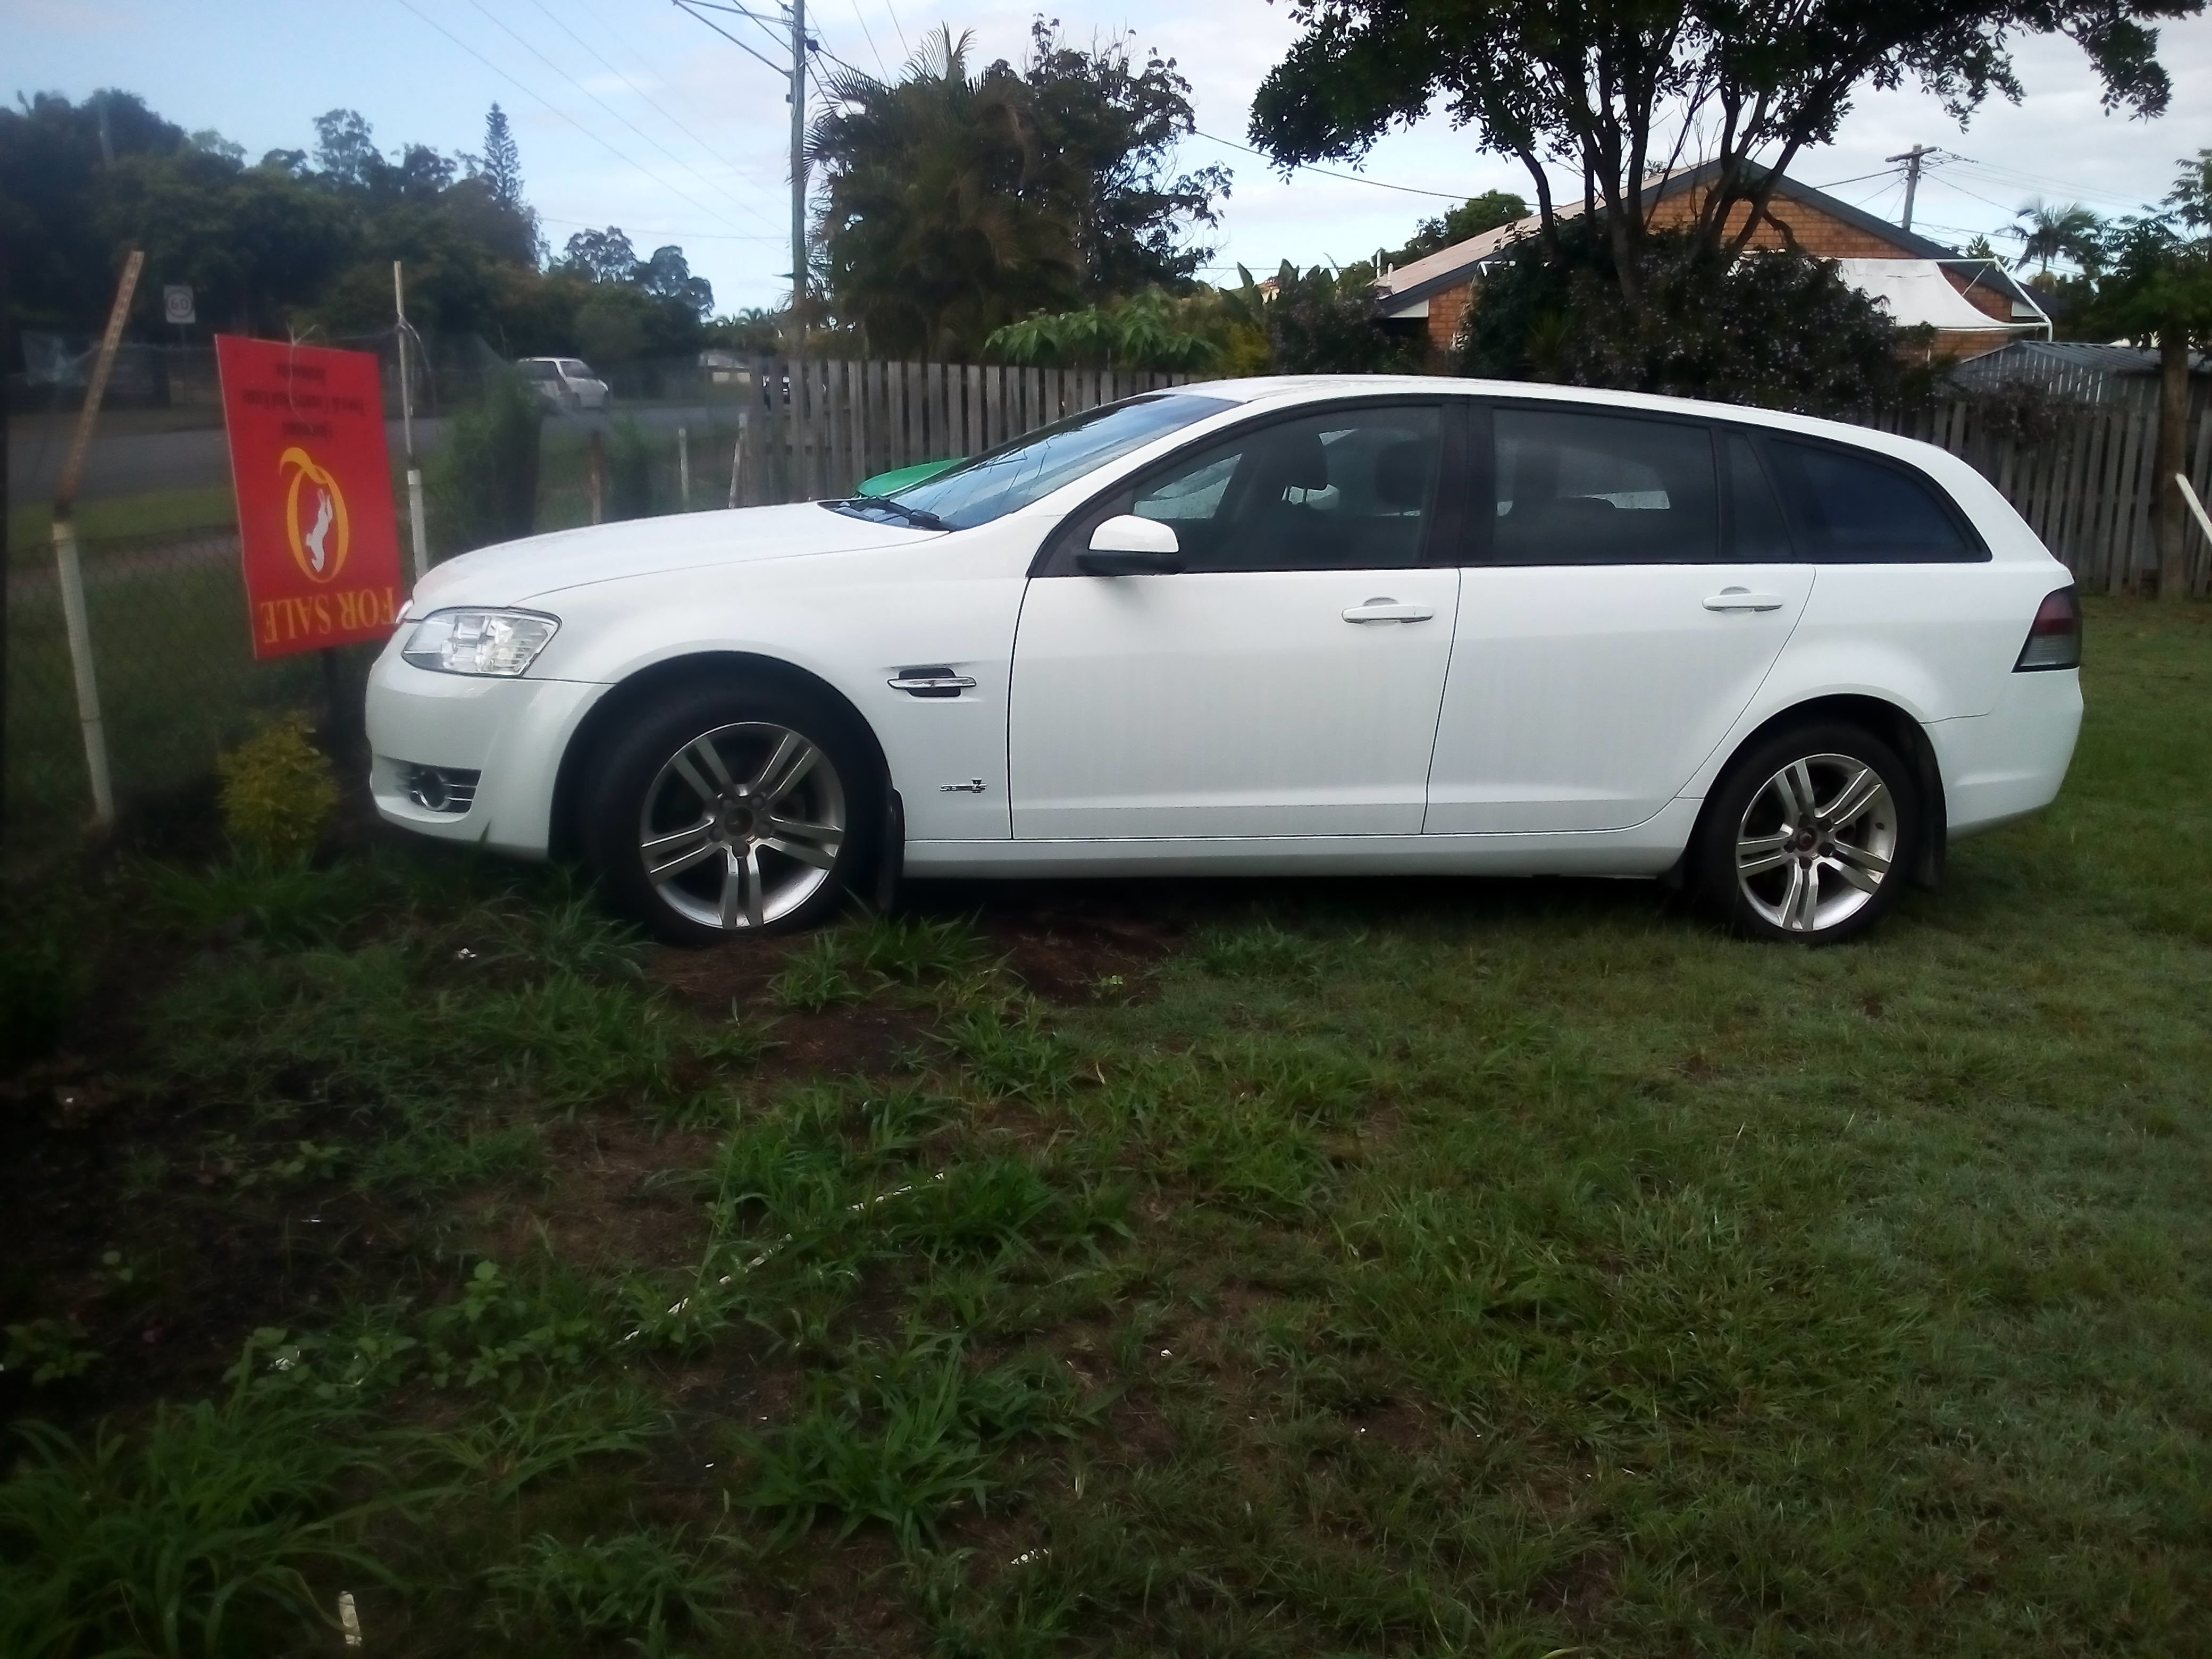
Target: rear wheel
<point>733,811</point>
<point>1809,835</point>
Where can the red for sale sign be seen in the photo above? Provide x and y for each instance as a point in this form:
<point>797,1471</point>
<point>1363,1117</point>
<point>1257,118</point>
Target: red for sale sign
<point>313,478</point>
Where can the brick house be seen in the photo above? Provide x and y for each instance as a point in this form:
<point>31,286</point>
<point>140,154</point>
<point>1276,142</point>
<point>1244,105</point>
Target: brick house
<point>1974,305</point>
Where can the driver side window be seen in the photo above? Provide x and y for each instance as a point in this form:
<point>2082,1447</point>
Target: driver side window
<point>1348,490</point>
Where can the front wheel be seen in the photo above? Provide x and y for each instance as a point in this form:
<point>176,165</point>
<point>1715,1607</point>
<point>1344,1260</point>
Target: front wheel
<point>1809,835</point>
<point>733,811</point>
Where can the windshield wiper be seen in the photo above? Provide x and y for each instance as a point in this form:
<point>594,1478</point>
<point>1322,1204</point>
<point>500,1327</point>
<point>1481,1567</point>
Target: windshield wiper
<point>861,505</point>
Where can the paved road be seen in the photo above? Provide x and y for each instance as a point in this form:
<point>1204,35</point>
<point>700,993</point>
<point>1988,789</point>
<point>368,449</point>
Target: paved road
<point>125,463</point>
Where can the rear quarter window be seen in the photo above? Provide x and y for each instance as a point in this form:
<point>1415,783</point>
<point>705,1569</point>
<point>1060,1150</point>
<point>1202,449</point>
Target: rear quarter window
<point>1846,507</point>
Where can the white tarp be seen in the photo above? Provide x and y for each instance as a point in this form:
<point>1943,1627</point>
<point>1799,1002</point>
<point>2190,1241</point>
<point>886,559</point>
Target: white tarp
<point>1916,291</point>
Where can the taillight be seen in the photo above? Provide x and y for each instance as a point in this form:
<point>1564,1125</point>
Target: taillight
<point>2054,638</point>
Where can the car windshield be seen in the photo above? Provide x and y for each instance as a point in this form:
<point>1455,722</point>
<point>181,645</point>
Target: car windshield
<point>577,370</point>
<point>1008,478</point>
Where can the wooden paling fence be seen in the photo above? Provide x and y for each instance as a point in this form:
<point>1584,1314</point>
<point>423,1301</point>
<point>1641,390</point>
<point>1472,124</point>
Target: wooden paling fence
<point>819,432</point>
<point>2087,488</point>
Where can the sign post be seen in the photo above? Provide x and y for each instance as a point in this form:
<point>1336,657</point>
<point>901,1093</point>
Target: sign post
<point>313,478</point>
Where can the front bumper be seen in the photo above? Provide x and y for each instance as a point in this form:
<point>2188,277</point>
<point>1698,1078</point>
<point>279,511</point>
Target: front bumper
<point>511,733</point>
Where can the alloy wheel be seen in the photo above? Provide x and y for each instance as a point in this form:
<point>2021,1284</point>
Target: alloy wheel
<point>742,825</point>
<point>1816,842</point>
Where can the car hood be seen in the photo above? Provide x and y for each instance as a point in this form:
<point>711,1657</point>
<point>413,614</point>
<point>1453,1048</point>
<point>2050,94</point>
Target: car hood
<point>516,573</point>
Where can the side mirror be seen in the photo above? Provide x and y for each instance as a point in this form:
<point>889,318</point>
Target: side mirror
<point>1131,546</point>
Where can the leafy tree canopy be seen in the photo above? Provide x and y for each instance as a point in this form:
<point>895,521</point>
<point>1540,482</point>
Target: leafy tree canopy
<point>1778,329</point>
<point>958,200</point>
<point>1612,89</point>
<point>1487,211</point>
<point>303,240</point>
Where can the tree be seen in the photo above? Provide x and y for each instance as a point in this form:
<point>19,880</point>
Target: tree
<point>943,220</point>
<point>1613,89</point>
<point>2048,232</point>
<point>502,160</point>
<point>605,256</point>
<point>1113,126</point>
<point>1779,329</point>
<point>667,275</point>
<point>958,201</point>
<point>1487,211</point>
<point>2158,291</point>
<point>345,150</point>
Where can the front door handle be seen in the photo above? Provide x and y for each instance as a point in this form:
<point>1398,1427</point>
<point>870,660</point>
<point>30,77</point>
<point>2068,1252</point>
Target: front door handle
<point>1742,598</point>
<point>1388,610</point>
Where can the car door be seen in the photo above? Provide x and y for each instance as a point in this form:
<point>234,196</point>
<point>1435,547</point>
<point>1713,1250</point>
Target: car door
<point>1285,682</point>
<point>1630,589</point>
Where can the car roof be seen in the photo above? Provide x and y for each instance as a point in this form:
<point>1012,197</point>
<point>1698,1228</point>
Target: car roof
<point>1283,390</point>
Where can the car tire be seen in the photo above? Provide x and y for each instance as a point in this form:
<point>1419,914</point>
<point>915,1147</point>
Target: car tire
<point>734,809</point>
<point>1809,835</point>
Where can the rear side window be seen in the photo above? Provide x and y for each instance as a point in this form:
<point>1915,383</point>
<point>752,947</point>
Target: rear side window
<point>1757,532</point>
<point>1576,489</point>
<point>1850,508</point>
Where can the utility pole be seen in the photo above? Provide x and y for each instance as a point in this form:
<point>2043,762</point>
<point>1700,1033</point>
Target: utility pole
<point>1913,158</point>
<point>798,188</point>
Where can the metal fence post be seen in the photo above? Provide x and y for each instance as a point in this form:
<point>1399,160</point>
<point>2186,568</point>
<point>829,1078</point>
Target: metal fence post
<point>684,466</point>
<point>72,575</point>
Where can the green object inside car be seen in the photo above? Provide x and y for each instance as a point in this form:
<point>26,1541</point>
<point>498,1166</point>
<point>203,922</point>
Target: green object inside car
<point>885,483</point>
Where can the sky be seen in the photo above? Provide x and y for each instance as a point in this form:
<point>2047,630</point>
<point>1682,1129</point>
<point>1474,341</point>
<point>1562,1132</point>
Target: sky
<point>633,114</point>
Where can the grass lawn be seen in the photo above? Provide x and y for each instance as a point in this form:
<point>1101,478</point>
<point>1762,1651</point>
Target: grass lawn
<point>1297,1268</point>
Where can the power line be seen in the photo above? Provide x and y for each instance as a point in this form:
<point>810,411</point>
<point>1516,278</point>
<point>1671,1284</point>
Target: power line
<point>651,103</point>
<point>602,142</point>
<point>903,47</point>
<point>869,35</point>
<point>612,33</point>
<point>1353,177</point>
<point>531,47</point>
<point>689,7</point>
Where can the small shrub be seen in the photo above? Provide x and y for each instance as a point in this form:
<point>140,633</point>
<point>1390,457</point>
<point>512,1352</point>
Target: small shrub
<point>629,472</point>
<point>482,481</point>
<point>278,792</point>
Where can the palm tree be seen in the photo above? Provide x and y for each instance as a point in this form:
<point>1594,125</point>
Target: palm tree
<point>940,226</point>
<point>2063,231</point>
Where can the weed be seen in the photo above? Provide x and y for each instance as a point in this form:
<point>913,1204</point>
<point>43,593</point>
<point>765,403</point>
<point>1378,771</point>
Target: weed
<point>498,1451</point>
<point>501,1332</point>
<point>899,1437</point>
<point>196,1536</point>
<point>647,1587</point>
<point>815,977</point>
<point>1259,949</point>
<point>915,949</point>
<point>49,1351</point>
<point>285,903</point>
<point>1015,1059</point>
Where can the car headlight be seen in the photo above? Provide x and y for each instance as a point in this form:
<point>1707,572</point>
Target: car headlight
<point>503,642</point>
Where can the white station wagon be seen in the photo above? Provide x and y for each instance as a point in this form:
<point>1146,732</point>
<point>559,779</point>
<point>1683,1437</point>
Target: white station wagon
<point>1330,625</point>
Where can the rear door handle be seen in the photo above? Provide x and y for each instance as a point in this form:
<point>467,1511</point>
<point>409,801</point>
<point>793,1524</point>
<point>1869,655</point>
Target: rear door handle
<point>1742,598</point>
<point>1389,611</point>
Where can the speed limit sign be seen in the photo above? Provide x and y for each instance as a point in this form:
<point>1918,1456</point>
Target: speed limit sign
<point>177,305</point>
